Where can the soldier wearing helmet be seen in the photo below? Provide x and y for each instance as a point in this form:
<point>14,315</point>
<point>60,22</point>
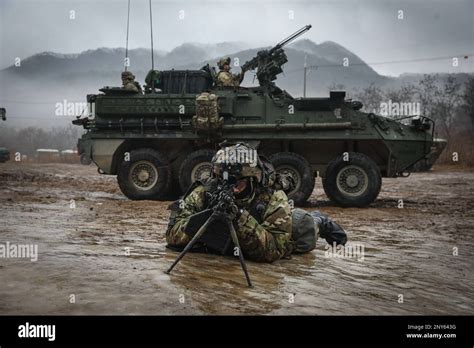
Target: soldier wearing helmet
<point>129,83</point>
<point>225,77</point>
<point>263,218</point>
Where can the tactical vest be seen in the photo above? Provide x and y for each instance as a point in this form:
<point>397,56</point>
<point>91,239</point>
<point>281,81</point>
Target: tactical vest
<point>225,78</point>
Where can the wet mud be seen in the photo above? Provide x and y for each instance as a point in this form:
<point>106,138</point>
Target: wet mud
<point>100,253</point>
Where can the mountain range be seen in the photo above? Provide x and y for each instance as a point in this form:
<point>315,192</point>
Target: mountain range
<point>31,91</point>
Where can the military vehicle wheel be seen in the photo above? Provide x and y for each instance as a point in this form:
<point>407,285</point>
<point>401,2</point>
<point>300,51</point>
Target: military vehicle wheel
<point>197,166</point>
<point>300,170</point>
<point>175,191</point>
<point>352,183</point>
<point>146,176</point>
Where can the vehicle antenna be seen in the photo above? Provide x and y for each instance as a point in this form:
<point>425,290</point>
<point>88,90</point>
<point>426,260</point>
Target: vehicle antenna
<point>126,43</point>
<point>151,37</point>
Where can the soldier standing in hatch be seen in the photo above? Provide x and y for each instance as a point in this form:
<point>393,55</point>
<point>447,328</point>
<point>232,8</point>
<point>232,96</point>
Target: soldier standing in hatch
<point>129,83</point>
<point>263,218</point>
<point>225,77</point>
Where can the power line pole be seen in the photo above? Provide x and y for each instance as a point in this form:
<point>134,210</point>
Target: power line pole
<point>305,73</point>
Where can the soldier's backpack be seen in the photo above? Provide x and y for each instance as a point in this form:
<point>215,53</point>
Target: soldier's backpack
<point>304,231</point>
<point>207,118</point>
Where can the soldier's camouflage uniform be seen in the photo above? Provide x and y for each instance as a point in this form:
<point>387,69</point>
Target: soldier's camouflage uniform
<point>129,83</point>
<point>266,241</point>
<point>226,78</point>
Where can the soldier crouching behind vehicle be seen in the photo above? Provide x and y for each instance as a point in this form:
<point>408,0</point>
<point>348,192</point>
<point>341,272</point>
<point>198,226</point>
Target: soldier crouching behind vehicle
<point>267,227</point>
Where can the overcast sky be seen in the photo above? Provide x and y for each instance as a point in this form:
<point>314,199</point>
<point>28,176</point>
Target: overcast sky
<point>369,28</point>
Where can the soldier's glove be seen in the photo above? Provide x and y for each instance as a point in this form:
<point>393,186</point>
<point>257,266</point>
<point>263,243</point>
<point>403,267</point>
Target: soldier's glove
<point>225,200</point>
<point>227,206</point>
<point>211,200</point>
<point>234,212</point>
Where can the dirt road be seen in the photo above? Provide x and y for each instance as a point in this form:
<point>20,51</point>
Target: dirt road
<point>99,253</point>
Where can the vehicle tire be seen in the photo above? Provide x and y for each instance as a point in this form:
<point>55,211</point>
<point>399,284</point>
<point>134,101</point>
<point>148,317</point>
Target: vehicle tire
<point>175,191</point>
<point>147,175</point>
<point>197,166</point>
<point>352,183</point>
<point>299,168</point>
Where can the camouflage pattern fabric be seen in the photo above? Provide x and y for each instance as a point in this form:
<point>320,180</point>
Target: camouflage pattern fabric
<point>225,78</point>
<point>130,86</point>
<point>207,113</point>
<point>192,204</point>
<point>129,83</point>
<point>223,61</point>
<point>243,154</point>
<point>267,241</point>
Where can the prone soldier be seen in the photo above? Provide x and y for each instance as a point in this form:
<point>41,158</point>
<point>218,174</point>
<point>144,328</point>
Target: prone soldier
<point>267,227</point>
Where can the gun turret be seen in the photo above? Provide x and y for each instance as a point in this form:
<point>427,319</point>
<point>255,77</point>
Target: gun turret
<point>269,62</point>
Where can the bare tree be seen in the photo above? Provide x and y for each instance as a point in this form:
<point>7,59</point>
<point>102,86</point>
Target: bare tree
<point>371,96</point>
<point>28,140</point>
<point>427,91</point>
<point>447,102</point>
<point>468,100</point>
<point>404,94</point>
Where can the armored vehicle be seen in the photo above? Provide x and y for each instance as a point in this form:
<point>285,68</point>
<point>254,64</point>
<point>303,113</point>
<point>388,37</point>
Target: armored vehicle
<point>426,164</point>
<point>157,143</point>
<point>4,152</point>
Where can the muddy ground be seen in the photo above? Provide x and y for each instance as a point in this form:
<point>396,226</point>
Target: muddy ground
<point>423,251</point>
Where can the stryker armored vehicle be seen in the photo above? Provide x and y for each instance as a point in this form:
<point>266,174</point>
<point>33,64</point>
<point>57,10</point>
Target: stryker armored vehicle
<point>157,147</point>
<point>437,149</point>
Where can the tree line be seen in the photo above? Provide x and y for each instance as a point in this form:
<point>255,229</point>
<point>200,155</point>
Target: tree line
<point>443,98</point>
<point>27,140</point>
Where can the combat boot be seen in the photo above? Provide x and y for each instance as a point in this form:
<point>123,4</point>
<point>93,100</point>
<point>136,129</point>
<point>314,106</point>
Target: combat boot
<point>328,229</point>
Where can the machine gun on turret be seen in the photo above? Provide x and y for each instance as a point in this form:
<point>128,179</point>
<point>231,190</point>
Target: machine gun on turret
<point>269,62</point>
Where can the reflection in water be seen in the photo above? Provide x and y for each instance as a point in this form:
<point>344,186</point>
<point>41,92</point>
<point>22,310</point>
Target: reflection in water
<point>111,253</point>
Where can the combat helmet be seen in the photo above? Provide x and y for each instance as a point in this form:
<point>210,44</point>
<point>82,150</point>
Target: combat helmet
<point>238,161</point>
<point>127,75</point>
<point>223,61</point>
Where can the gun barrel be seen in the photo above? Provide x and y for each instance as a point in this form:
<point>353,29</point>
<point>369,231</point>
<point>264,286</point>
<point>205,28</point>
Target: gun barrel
<point>293,36</point>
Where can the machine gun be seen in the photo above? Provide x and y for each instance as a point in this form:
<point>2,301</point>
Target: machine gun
<point>222,206</point>
<point>269,62</point>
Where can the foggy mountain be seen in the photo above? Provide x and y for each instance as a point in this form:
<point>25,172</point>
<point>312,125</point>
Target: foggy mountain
<point>32,91</point>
